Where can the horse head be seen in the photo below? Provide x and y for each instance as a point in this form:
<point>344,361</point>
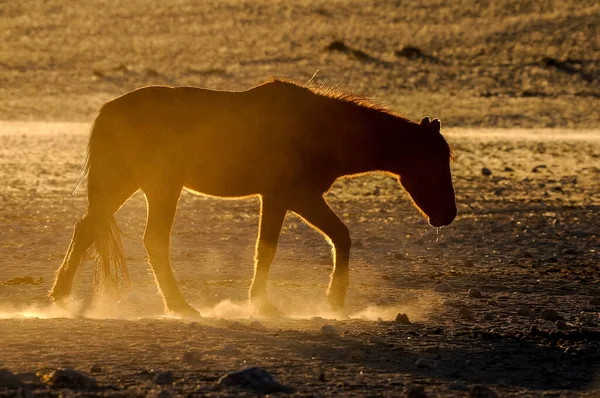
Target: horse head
<point>425,173</point>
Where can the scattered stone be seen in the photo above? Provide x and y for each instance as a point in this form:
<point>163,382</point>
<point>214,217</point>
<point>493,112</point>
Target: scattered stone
<point>595,301</point>
<point>452,303</point>
<point>489,317</point>
<point>561,325</point>
<point>402,319</point>
<point>376,340</point>
<point>537,168</point>
<point>162,378</point>
<point>550,315</point>
<point>69,378</point>
<point>410,52</point>
<point>322,376</point>
<point>385,277</point>
<point>256,325</point>
<point>230,350</point>
<point>465,313</point>
<point>475,293</point>
<point>412,391</point>
<point>479,391</point>
<point>442,288</point>
<point>329,330</point>
<point>533,330</point>
<point>254,379</point>
<point>458,386</point>
<point>356,355</point>
<point>95,368</point>
<point>192,357</point>
<point>468,262</point>
<point>9,380</point>
<point>508,169</point>
<point>486,172</point>
<point>525,311</point>
<point>424,363</point>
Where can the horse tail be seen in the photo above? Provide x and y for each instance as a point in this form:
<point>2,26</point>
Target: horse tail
<point>108,187</point>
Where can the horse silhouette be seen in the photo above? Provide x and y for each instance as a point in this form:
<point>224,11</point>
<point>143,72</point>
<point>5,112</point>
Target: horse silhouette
<point>281,141</point>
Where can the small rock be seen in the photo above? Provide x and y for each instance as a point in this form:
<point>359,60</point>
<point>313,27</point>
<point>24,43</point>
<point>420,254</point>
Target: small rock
<point>452,303</point>
<point>488,317</point>
<point>595,301</point>
<point>465,313</point>
<point>254,379</point>
<point>192,357</point>
<point>525,311</point>
<point>256,325</point>
<point>356,355</point>
<point>478,391</point>
<point>69,378</point>
<point>468,262</point>
<point>230,350</point>
<point>162,378</point>
<point>9,380</point>
<point>385,277</point>
<point>533,330</point>
<point>95,368</point>
<point>321,376</point>
<point>425,363</point>
<point>458,386</point>
<point>412,391</point>
<point>486,172</point>
<point>561,325</point>
<point>442,288</point>
<point>329,330</point>
<point>376,340</point>
<point>402,319</point>
<point>475,293</point>
<point>550,315</point>
<point>508,169</point>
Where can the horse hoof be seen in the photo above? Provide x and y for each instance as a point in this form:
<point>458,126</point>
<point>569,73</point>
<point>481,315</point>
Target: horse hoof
<point>185,312</point>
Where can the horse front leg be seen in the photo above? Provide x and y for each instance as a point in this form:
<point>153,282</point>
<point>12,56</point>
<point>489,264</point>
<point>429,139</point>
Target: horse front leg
<point>318,214</point>
<point>272,215</point>
<point>162,206</point>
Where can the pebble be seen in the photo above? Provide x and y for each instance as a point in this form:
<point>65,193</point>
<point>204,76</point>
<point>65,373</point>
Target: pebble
<point>468,262</point>
<point>376,340</point>
<point>402,319</point>
<point>412,391</point>
<point>595,301</point>
<point>329,330</point>
<point>478,391</point>
<point>256,325</point>
<point>162,378</point>
<point>424,363</point>
<point>489,317</point>
<point>451,303</point>
<point>9,380</point>
<point>356,355</point>
<point>550,315</point>
<point>230,350</point>
<point>465,313</point>
<point>561,325</point>
<point>69,378</point>
<point>255,379</point>
<point>442,288</point>
<point>486,172</point>
<point>525,311</point>
<point>475,293</point>
<point>192,357</point>
<point>95,368</point>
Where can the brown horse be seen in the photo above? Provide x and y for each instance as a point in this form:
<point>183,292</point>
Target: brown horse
<point>284,142</point>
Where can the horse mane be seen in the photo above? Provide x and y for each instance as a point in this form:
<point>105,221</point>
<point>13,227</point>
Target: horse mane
<point>326,89</point>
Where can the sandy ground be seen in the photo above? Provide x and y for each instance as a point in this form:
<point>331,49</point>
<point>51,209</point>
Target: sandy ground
<point>526,235</point>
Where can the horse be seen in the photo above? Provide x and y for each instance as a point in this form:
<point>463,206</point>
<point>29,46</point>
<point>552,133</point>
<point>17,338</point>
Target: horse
<point>284,142</point>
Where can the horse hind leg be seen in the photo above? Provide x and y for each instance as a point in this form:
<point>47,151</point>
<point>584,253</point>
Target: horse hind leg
<point>102,204</point>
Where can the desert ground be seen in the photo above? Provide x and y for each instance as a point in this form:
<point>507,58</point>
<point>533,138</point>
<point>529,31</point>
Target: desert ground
<point>503,302</point>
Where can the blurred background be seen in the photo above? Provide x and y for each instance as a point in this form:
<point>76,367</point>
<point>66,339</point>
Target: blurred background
<point>511,63</point>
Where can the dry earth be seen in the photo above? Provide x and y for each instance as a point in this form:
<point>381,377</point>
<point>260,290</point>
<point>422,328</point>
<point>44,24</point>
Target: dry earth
<point>526,235</point>
<point>525,73</point>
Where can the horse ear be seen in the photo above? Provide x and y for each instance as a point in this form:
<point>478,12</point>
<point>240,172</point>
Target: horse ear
<point>436,125</point>
<point>425,121</point>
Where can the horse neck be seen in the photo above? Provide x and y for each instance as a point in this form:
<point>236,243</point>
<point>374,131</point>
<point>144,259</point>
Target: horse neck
<point>381,140</point>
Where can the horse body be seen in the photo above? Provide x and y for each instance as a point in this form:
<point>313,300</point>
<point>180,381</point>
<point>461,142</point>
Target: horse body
<point>284,142</point>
